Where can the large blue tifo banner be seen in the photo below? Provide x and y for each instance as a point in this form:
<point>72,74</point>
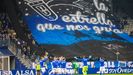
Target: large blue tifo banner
<point>73,25</point>
<point>110,67</point>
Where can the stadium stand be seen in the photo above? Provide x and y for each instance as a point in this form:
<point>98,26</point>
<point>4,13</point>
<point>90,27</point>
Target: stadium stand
<point>27,52</point>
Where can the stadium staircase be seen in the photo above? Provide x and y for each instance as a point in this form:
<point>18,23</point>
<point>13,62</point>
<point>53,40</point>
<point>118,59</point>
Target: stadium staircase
<point>26,62</point>
<point>23,62</point>
<point>19,65</point>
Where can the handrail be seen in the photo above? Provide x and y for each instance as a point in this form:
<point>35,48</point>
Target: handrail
<point>17,52</point>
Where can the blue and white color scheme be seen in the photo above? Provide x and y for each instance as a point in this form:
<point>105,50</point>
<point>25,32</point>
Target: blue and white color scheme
<point>64,24</point>
<point>111,67</point>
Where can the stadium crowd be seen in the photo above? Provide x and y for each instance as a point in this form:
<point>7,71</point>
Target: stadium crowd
<point>20,47</point>
<point>34,52</point>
